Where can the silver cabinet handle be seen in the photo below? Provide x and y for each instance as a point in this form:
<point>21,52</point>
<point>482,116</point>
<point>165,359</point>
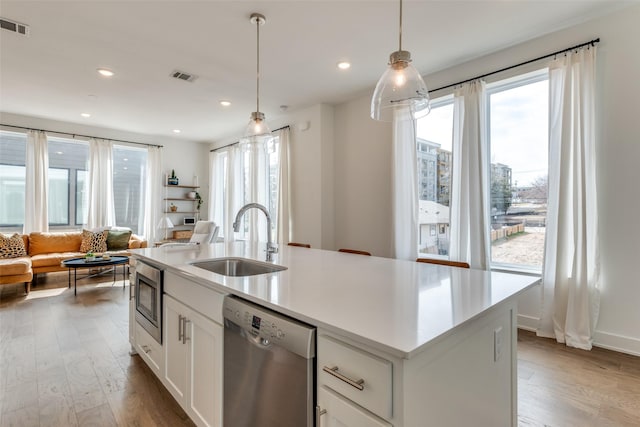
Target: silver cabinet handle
<point>319,413</point>
<point>180,327</point>
<point>359,384</point>
<point>146,349</point>
<point>184,330</point>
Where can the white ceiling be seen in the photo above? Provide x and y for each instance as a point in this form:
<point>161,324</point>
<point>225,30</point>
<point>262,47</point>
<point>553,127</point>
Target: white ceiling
<point>52,73</point>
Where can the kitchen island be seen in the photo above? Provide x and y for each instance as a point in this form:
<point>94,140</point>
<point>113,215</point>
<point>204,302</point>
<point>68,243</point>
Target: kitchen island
<point>437,343</point>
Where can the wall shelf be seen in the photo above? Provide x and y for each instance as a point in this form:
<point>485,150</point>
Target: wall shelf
<point>182,186</point>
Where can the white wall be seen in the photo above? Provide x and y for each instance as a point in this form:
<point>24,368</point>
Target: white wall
<point>363,179</point>
<point>362,168</point>
<point>186,157</point>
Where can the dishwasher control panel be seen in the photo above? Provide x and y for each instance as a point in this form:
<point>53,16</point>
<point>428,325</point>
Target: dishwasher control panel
<point>270,325</point>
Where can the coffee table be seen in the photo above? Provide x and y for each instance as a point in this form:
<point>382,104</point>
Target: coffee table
<point>76,263</point>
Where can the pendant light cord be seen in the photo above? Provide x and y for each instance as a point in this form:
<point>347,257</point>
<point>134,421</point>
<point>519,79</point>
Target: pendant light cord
<point>258,65</point>
<point>400,35</point>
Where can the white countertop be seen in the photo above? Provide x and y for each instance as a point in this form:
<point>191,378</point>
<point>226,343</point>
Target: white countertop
<point>400,307</point>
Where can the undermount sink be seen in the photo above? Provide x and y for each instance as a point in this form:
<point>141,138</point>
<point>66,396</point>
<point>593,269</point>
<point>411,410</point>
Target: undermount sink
<point>238,267</point>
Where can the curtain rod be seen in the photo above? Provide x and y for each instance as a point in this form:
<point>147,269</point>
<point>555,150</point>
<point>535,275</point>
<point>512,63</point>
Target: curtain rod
<point>83,136</point>
<point>592,43</point>
<point>238,142</point>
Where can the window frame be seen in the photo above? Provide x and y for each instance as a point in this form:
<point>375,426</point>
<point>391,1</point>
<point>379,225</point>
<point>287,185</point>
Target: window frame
<point>513,82</point>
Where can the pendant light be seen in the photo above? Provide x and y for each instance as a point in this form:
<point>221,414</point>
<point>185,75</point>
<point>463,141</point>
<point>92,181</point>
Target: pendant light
<point>257,127</point>
<point>400,88</point>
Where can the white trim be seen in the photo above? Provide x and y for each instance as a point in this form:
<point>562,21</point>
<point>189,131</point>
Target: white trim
<point>618,343</point>
<point>606,340</point>
<point>528,323</point>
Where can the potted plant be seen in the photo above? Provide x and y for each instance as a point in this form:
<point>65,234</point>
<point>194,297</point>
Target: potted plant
<point>173,208</point>
<point>173,179</point>
<point>90,256</point>
<point>199,199</point>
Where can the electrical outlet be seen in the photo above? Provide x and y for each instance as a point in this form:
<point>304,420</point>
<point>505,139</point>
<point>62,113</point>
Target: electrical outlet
<point>498,343</point>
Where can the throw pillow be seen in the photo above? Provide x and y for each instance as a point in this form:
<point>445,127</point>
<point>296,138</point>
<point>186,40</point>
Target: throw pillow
<point>12,247</point>
<point>118,240</point>
<point>94,242</point>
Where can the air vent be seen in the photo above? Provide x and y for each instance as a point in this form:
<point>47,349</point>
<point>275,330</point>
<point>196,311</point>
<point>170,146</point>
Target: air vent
<point>181,75</point>
<point>14,27</point>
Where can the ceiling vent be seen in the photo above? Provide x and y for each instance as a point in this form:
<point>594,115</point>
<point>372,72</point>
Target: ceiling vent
<point>181,75</point>
<point>14,27</point>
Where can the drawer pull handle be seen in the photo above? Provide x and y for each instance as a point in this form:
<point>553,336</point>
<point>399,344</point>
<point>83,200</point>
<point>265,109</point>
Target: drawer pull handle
<point>180,327</point>
<point>359,384</point>
<point>146,349</point>
<point>319,412</point>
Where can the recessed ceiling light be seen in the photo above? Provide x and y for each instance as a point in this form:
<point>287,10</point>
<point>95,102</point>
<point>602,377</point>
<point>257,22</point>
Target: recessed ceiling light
<point>225,103</point>
<point>344,65</point>
<point>85,114</point>
<point>177,131</point>
<point>59,153</point>
<point>105,72</point>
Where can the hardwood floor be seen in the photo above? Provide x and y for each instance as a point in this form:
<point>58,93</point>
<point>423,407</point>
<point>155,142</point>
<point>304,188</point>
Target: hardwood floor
<point>64,361</point>
<point>563,386</point>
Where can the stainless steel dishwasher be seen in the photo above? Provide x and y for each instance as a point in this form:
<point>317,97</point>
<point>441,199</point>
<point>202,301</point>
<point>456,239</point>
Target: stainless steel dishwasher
<point>269,362</point>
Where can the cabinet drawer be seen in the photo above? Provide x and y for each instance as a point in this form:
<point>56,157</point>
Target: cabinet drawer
<point>149,349</point>
<point>342,367</point>
<point>202,299</point>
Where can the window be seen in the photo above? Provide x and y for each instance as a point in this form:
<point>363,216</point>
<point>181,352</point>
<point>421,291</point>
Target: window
<point>129,172</point>
<point>518,138</point>
<point>435,136</point>
<point>267,183</point>
<point>68,159</point>
<point>518,152</point>
<point>12,180</point>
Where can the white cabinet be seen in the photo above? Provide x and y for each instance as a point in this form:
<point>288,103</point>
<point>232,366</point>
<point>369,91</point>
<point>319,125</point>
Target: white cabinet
<point>193,339</point>
<point>149,349</point>
<point>336,411</point>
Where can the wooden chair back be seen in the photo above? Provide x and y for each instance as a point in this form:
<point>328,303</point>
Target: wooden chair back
<point>302,245</point>
<point>354,251</point>
<point>444,262</point>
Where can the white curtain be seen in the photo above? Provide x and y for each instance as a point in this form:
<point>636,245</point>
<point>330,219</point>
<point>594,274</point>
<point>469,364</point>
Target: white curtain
<point>100,196</point>
<point>257,190</point>
<point>233,190</point>
<point>470,207</point>
<point>571,271</point>
<point>217,162</point>
<point>153,195</point>
<point>36,216</point>
<point>404,173</point>
<point>283,235</point>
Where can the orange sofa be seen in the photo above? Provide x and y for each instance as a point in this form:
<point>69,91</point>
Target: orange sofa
<point>46,251</point>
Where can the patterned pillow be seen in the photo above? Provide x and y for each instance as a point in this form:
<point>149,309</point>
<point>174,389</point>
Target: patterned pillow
<point>12,247</point>
<point>94,242</point>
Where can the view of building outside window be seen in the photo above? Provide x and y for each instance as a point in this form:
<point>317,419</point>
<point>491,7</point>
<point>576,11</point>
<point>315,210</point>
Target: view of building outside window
<point>519,167</point>
<point>129,172</point>
<point>518,149</point>
<point>67,157</point>
<point>12,180</point>
<point>435,136</point>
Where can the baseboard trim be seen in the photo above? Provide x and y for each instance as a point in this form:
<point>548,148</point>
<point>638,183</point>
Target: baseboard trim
<point>619,343</point>
<point>528,323</point>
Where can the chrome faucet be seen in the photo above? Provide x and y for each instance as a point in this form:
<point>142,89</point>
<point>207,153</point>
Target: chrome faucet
<point>271,248</point>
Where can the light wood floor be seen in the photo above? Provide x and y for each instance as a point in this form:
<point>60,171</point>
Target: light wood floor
<point>64,361</point>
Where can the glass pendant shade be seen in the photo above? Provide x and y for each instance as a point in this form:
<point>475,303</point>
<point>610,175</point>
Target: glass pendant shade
<point>256,129</point>
<point>400,89</point>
